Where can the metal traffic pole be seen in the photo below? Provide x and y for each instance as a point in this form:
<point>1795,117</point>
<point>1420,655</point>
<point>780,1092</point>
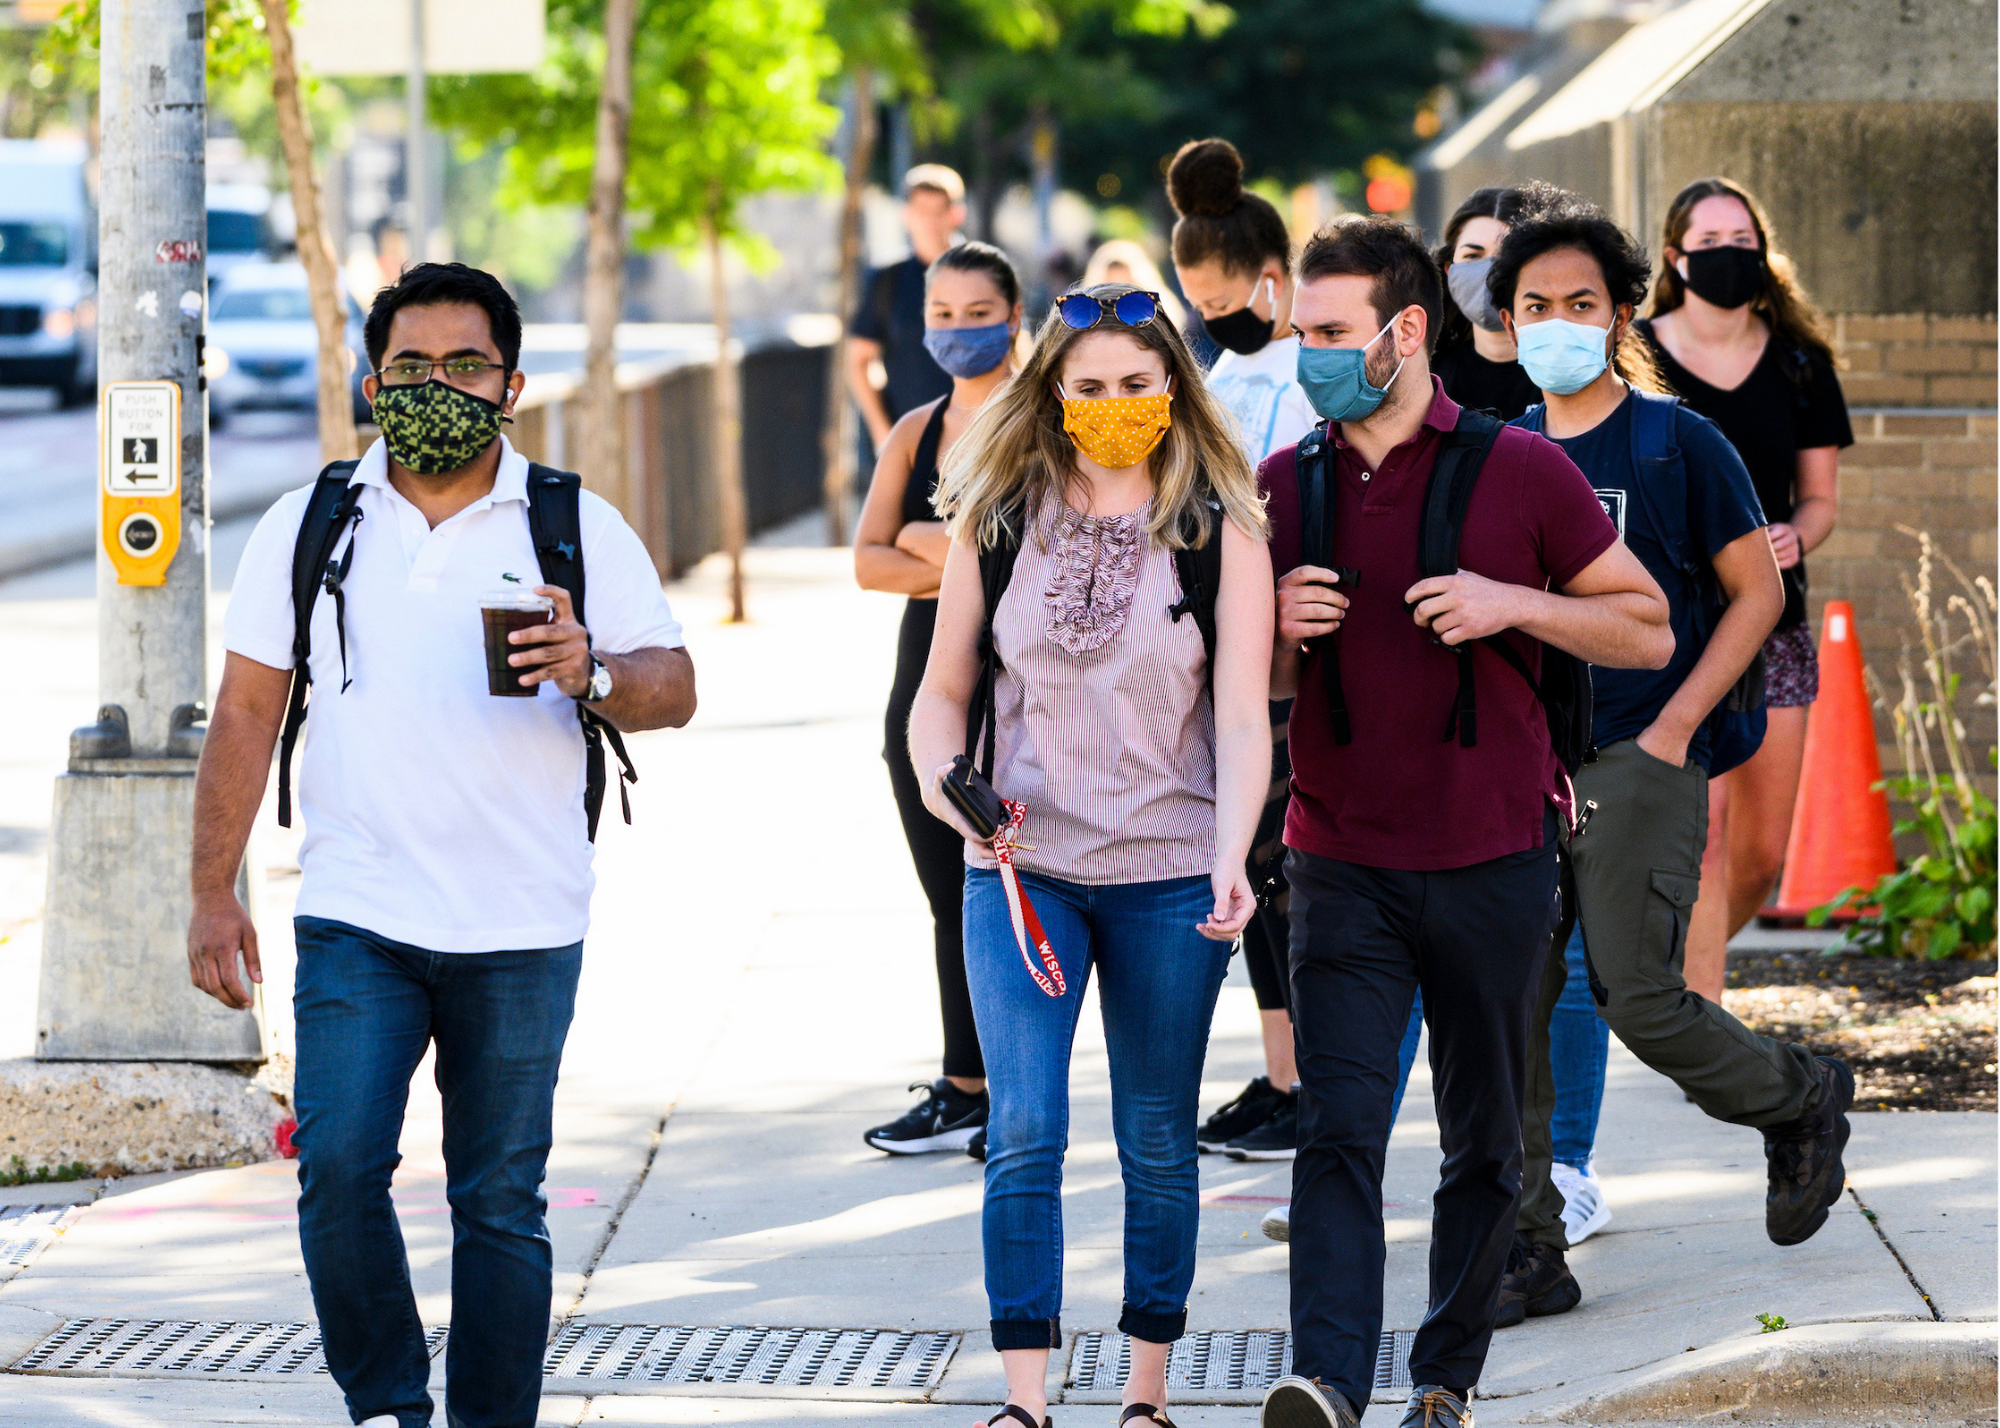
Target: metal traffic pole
<point>416,178</point>
<point>114,982</point>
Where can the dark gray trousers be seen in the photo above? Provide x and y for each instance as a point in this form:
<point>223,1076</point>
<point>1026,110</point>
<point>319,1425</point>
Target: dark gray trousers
<point>1636,868</point>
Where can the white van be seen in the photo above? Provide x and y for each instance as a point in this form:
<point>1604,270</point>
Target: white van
<point>48,270</point>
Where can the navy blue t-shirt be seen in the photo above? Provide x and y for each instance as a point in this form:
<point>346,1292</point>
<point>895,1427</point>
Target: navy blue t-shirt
<point>1721,507</point>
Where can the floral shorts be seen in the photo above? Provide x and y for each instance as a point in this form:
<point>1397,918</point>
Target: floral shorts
<point>1791,668</point>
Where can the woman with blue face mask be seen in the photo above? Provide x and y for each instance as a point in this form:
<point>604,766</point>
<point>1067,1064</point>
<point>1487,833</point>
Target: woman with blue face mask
<point>972,313</point>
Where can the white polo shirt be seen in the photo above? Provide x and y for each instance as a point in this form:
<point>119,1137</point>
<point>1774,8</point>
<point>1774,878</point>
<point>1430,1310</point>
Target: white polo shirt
<point>435,813</point>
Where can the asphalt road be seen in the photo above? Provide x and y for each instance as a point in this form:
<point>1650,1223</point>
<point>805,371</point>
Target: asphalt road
<point>48,474</point>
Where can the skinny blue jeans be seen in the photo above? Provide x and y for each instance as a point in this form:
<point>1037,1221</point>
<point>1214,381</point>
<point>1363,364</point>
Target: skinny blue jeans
<point>1579,1047</point>
<point>1157,984</point>
<point>367,1008</point>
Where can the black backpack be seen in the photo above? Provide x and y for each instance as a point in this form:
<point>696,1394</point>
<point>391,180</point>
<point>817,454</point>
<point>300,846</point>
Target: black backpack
<point>556,526</point>
<point>1563,689</point>
<point>1198,568</point>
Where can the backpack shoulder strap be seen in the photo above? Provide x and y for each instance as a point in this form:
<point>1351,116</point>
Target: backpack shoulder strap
<point>1662,477</point>
<point>1313,467</point>
<point>996,571</point>
<point>1199,569</point>
<point>1461,454</point>
<point>330,509</point>
<point>555,524</point>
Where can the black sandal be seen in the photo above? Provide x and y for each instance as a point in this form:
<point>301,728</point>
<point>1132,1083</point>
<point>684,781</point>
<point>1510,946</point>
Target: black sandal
<point>1021,1416</point>
<point>1147,1411</point>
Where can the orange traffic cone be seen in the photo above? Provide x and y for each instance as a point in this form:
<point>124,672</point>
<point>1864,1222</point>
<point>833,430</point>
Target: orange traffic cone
<point>1840,826</point>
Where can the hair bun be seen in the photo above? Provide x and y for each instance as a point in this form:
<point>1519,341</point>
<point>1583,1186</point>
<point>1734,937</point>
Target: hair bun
<point>1206,179</point>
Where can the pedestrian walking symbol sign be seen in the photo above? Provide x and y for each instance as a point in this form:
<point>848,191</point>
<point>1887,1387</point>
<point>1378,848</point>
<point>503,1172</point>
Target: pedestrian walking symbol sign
<point>139,453</point>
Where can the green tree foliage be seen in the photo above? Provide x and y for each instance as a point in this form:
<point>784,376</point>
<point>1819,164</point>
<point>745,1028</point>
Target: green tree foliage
<point>1304,88</point>
<point>726,104</point>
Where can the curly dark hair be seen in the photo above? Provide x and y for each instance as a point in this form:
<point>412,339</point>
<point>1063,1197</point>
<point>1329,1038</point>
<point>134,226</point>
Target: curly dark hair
<point>429,284</point>
<point>1569,221</point>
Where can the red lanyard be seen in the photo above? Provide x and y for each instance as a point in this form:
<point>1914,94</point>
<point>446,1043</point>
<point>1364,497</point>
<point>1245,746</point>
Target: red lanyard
<point>1027,926</point>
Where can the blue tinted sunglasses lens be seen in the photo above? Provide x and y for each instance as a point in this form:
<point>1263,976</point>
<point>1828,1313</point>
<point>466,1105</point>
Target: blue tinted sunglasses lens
<point>1135,309</point>
<point>1080,311</point>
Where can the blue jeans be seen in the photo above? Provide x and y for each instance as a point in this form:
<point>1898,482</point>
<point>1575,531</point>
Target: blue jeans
<point>367,1008</point>
<point>1157,984</point>
<point>1579,1046</point>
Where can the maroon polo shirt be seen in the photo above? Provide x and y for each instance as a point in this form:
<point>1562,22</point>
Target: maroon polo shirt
<point>1401,795</point>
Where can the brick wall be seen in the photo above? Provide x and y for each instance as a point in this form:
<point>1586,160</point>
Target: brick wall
<point>1918,361</point>
<point>1922,394</point>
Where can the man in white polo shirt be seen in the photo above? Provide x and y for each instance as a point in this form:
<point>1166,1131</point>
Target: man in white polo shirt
<point>447,861</point>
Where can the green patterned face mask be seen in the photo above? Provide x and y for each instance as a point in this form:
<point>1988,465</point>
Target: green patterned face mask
<point>434,427</point>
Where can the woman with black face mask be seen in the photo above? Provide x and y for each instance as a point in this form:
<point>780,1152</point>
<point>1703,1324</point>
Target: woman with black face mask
<point>1474,354</point>
<point>1233,258</point>
<point>972,314</point>
<point>1742,343</point>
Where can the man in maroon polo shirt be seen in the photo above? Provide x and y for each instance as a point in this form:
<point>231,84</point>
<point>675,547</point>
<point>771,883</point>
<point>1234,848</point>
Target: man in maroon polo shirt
<point>1417,861</point>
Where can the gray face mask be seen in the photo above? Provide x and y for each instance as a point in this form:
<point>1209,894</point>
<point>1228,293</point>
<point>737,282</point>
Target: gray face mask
<point>1467,281</point>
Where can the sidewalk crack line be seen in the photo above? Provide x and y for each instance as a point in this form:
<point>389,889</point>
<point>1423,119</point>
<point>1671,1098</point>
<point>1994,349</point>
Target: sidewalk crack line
<point>1901,1263</point>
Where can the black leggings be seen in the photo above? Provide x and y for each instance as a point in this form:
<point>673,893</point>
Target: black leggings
<point>935,846</point>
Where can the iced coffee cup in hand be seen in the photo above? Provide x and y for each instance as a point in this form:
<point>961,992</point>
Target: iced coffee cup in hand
<point>502,611</point>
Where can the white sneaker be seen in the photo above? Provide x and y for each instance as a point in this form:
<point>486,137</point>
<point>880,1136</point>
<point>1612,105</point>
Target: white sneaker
<point>1277,1224</point>
<point>1584,1210</point>
<point>380,1420</point>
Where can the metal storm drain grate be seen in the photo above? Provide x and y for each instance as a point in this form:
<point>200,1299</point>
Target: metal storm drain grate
<point>158,1346</point>
<point>1234,1362</point>
<point>27,1230</point>
<point>817,1358</point>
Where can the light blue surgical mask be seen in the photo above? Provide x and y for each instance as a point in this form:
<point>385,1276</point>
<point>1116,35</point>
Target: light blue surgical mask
<point>1560,356</point>
<point>1335,379</point>
<point>968,351</point>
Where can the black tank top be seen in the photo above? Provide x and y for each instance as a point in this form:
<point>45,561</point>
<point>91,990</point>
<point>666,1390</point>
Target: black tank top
<point>922,485</point>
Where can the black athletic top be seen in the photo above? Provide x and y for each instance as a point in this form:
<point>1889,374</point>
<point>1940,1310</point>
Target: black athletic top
<point>922,485</point>
<point>1502,388</point>
<point>1790,402</point>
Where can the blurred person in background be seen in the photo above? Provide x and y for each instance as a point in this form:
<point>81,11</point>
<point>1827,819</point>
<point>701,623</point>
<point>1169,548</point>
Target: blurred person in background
<point>888,327</point>
<point>1475,357</point>
<point>972,314</point>
<point>1120,260</point>
<point>1737,336</point>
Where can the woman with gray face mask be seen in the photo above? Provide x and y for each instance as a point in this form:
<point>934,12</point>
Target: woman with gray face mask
<point>1474,356</point>
<point>972,314</point>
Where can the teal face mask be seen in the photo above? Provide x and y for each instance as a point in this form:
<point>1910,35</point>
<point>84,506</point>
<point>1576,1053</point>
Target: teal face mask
<point>1335,380</point>
<point>1560,356</point>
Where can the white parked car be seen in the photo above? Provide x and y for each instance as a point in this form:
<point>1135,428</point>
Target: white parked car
<point>263,350</point>
<point>48,270</point>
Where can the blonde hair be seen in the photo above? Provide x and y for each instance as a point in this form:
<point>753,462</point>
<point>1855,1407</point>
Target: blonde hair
<point>1014,455</point>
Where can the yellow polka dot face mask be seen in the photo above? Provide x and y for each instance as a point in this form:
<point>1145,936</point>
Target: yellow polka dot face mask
<point>1117,432</point>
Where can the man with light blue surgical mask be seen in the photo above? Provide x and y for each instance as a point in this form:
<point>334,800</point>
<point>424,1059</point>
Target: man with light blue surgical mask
<point>1422,839</point>
<point>1567,279</point>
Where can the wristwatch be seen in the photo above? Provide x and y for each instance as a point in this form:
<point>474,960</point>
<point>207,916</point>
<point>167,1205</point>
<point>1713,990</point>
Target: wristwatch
<point>600,682</point>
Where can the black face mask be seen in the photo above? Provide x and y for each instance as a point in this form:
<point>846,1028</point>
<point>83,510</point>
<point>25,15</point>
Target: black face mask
<point>1727,277</point>
<point>1242,331</point>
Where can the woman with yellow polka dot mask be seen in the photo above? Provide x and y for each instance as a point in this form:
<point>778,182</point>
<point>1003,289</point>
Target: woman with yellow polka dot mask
<point>1099,498</point>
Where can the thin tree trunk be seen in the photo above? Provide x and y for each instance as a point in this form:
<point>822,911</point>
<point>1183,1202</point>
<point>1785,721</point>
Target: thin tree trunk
<point>603,445</point>
<point>336,407</point>
<point>731,501</point>
<point>837,436</point>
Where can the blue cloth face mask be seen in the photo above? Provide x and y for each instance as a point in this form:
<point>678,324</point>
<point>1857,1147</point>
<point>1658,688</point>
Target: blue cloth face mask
<point>968,351</point>
<point>1335,380</point>
<point>1560,356</point>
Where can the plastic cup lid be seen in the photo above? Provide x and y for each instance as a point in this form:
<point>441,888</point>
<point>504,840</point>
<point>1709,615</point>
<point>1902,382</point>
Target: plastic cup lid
<point>514,597</point>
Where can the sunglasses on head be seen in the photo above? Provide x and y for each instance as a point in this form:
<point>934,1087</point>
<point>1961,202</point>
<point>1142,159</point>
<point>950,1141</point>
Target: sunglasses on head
<point>1083,312</point>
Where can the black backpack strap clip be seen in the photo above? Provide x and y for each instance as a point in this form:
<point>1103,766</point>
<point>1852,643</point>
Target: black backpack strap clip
<point>331,509</point>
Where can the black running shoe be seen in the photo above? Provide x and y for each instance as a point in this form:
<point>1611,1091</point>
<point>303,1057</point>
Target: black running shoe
<point>1276,1139</point>
<point>1251,1108</point>
<point>976,1147</point>
<point>1537,1283</point>
<point>1294,1402</point>
<point>1432,1405</point>
<point>1803,1160</point>
<point>945,1119</point>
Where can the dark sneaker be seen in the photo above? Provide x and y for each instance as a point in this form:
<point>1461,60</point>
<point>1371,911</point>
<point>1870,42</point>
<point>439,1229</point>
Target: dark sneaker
<point>1435,1406</point>
<point>1536,1283</point>
<point>976,1147</point>
<point>1803,1160</point>
<point>1294,1402</point>
<point>1251,1108</point>
<point>945,1119</point>
<point>1276,1139</point>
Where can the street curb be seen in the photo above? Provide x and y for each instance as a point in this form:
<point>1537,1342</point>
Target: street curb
<point>1831,1369</point>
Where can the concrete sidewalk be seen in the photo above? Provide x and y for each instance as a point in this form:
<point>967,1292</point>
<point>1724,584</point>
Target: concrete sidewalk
<point>753,999</point>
